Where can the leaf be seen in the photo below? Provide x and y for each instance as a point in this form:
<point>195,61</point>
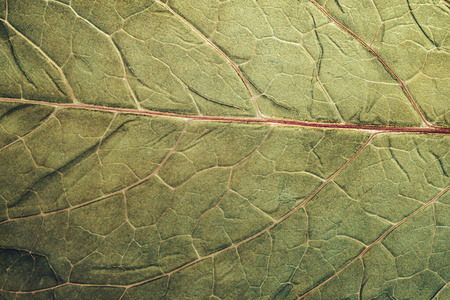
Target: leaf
<point>239,149</point>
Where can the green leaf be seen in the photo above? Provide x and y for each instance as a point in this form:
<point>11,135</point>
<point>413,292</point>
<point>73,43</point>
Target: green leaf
<point>240,149</point>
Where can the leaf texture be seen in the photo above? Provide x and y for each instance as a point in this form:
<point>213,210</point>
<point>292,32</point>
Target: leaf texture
<point>239,149</point>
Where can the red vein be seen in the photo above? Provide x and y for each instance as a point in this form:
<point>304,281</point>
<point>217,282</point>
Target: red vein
<point>268,121</point>
<point>430,129</point>
<point>378,240</point>
<point>405,89</point>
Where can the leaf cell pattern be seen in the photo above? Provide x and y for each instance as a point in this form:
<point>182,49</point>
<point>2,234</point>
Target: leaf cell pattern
<point>224,149</point>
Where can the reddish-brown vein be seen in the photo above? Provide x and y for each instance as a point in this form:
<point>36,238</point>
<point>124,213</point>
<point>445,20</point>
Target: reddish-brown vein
<point>378,240</point>
<point>275,122</point>
<point>268,121</point>
<point>405,89</point>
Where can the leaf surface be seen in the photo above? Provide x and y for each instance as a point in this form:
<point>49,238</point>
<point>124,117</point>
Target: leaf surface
<point>224,149</point>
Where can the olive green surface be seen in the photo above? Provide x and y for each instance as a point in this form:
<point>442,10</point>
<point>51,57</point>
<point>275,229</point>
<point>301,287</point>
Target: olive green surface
<point>114,184</point>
